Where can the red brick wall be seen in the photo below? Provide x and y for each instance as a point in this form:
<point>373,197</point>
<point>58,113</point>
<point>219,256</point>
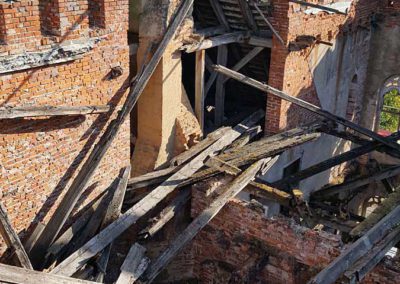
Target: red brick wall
<point>40,157</point>
<point>289,71</point>
<point>243,246</point>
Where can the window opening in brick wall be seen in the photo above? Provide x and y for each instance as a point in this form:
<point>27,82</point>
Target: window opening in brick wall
<point>97,17</point>
<point>291,169</point>
<point>389,114</point>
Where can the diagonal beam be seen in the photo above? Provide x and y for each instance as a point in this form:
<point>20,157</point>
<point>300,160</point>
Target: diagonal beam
<point>231,190</point>
<point>253,53</point>
<point>330,163</point>
<point>355,184</point>
<point>306,105</point>
<point>219,12</point>
<point>275,32</point>
<point>357,250</point>
<point>12,240</point>
<point>248,15</point>
<point>76,260</point>
<point>89,167</point>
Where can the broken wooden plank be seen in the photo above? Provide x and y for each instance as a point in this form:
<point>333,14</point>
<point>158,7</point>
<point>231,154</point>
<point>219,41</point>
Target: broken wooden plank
<point>387,205</point>
<point>199,87</point>
<point>89,167</point>
<point>256,188</point>
<point>12,240</point>
<point>159,176</point>
<point>166,215</point>
<point>321,7</point>
<point>22,112</point>
<point>362,267</point>
<point>306,105</point>
<point>59,245</point>
<point>134,265</point>
<point>115,229</point>
<point>12,274</point>
<point>222,58</point>
<point>231,190</point>
<point>33,237</point>
<point>252,153</point>
<point>217,41</point>
<point>357,250</point>
<point>244,139</point>
<point>265,147</point>
<point>95,221</point>
<point>355,184</point>
<point>196,149</point>
<point>112,214</point>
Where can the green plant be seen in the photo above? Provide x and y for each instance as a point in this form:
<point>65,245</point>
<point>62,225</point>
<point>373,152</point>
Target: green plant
<point>390,114</point>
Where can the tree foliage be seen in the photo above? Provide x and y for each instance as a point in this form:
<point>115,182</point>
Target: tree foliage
<point>391,102</point>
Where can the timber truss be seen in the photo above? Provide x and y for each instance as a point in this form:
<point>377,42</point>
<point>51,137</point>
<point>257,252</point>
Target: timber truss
<point>81,252</point>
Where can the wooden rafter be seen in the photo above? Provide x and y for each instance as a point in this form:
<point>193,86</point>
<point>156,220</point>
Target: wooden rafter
<point>26,112</point>
<point>12,240</point>
<point>88,169</point>
<point>306,105</point>
<point>231,190</point>
<point>76,260</point>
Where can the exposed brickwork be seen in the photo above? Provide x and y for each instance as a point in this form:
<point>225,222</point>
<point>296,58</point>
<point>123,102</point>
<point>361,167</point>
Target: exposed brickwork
<point>40,157</point>
<point>240,245</point>
<point>289,71</point>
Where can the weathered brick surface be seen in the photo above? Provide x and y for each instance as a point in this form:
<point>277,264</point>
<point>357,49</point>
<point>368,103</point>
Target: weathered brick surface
<point>289,71</point>
<point>241,245</point>
<point>40,157</point>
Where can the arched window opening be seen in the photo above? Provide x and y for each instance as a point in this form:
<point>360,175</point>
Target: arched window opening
<point>390,112</point>
<point>389,115</point>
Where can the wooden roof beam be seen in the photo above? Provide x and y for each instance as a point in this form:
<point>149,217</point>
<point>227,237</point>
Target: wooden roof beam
<point>24,112</point>
<point>306,105</point>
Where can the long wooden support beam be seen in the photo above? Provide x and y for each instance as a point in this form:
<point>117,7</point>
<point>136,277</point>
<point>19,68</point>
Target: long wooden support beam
<point>22,112</point>
<point>12,240</point>
<point>92,162</point>
<point>265,147</point>
<point>215,41</point>
<point>76,260</point>
<point>353,185</point>
<point>306,105</point>
<point>16,275</point>
<point>357,250</point>
<point>231,190</point>
<point>321,7</point>
<point>332,162</point>
<point>134,265</point>
<point>362,267</point>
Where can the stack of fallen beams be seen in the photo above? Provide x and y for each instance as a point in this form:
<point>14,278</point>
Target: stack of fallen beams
<point>82,250</point>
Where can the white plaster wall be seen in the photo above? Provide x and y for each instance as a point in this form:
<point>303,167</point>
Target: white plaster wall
<point>333,69</point>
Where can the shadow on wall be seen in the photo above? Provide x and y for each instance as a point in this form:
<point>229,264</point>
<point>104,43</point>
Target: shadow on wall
<point>346,79</point>
<point>34,70</point>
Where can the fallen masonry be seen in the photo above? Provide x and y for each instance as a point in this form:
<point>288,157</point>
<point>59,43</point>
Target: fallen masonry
<point>218,141</point>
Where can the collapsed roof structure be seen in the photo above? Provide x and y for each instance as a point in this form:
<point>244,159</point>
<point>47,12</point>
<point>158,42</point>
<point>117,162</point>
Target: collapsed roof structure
<point>293,180</point>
